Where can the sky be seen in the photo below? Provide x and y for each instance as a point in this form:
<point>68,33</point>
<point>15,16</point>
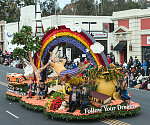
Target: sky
<point>62,3</point>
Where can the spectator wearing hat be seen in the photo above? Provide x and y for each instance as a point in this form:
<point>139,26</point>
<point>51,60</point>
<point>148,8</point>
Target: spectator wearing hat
<point>74,99</point>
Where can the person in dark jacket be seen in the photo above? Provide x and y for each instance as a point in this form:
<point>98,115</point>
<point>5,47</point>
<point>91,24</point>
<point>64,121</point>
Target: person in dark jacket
<point>84,99</point>
<point>142,71</point>
<point>74,99</point>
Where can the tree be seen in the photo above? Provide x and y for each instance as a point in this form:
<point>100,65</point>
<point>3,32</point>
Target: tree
<point>106,7</point>
<point>8,11</point>
<point>29,2</point>
<point>70,9</point>
<point>31,43</point>
<point>132,5</point>
<point>48,7</point>
<point>85,7</point>
<point>143,4</point>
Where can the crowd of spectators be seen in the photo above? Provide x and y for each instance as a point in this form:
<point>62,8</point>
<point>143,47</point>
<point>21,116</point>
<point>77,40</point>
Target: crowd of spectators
<point>136,73</point>
<point>8,60</point>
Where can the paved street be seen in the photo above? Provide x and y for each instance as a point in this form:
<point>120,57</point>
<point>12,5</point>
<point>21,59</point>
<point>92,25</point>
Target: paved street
<point>12,113</point>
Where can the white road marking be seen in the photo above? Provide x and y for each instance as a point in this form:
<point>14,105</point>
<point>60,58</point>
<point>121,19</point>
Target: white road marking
<point>12,114</point>
<point>10,103</point>
<point>4,84</point>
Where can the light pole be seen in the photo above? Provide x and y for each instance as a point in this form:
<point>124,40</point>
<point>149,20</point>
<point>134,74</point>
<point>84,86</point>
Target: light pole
<point>55,7</point>
<point>89,24</point>
<point>19,10</point>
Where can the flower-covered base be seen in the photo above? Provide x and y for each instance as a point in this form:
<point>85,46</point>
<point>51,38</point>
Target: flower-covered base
<point>117,108</point>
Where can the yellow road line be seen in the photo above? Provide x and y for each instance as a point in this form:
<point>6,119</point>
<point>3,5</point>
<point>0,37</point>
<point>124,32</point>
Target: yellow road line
<point>114,122</point>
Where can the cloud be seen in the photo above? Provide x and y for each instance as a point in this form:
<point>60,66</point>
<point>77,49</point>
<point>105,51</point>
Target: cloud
<point>97,48</point>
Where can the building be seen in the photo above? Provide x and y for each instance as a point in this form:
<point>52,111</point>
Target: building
<point>91,24</point>
<point>2,34</point>
<point>131,34</point>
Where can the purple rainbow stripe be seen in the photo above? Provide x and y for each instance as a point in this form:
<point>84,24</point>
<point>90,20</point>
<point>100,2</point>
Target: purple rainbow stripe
<point>67,40</point>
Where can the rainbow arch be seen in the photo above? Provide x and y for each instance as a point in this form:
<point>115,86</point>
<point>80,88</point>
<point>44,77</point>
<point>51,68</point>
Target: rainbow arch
<point>81,40</point>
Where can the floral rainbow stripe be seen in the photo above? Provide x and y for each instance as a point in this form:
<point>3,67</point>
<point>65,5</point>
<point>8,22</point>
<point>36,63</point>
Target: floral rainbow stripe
<point>61,35</point>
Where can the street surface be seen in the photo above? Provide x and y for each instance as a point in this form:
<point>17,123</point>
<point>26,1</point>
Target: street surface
<point>13,113</point>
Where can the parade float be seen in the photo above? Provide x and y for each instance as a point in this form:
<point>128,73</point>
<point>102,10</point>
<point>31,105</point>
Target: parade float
<point>101,81</point>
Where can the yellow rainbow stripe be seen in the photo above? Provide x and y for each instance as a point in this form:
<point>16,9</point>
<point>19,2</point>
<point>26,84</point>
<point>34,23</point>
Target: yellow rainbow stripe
<point>67,34</point>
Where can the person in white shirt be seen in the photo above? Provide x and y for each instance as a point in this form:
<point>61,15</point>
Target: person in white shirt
<point>125,65</point>
<point>139,79</point>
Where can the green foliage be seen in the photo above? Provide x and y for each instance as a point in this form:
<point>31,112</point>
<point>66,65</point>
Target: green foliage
<point>103,8</point>
<point>103,115</point>
<point>10,12</point>
<point>32,107</point>
<point>51,83</point>
<point>54,115</point>
<point>109,74</point>
<point>24,37</point>
<point>57,94</point>
<point>48,29</point>
<point>13,98</point>
<point>85,7</point>
<point>19,52</point>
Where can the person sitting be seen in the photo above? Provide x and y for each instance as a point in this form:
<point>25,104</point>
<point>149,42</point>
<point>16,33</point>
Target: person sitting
<point>131,80</point>
<point>142,71</point>
<point>139,80</point>
<point>145,84</point>
<point>84,99</point>
<point>74,99</point>
<point>136,72</point>
<point>42,91</point>
<point>123,92</point>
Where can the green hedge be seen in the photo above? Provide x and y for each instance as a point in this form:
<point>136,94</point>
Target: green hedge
<point>13,98</point>
<point>67,117</point>
<point>115,114</point>
<point>32,107</point>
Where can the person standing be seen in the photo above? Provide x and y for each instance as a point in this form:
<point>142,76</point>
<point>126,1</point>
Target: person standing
<point>144,65</point>
<point>135,62</point>
<point>84,99</point>
<point>74,99</point>
<point>148,66</point>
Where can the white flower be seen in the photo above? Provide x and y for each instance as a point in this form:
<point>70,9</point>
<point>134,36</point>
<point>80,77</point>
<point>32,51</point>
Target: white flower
<point>87,50</point>
<point>97,48</point>
<point>34,44</point>
<point>54,36</point>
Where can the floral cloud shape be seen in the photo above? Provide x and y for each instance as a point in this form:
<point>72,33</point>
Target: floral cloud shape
<point>97,48</point>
